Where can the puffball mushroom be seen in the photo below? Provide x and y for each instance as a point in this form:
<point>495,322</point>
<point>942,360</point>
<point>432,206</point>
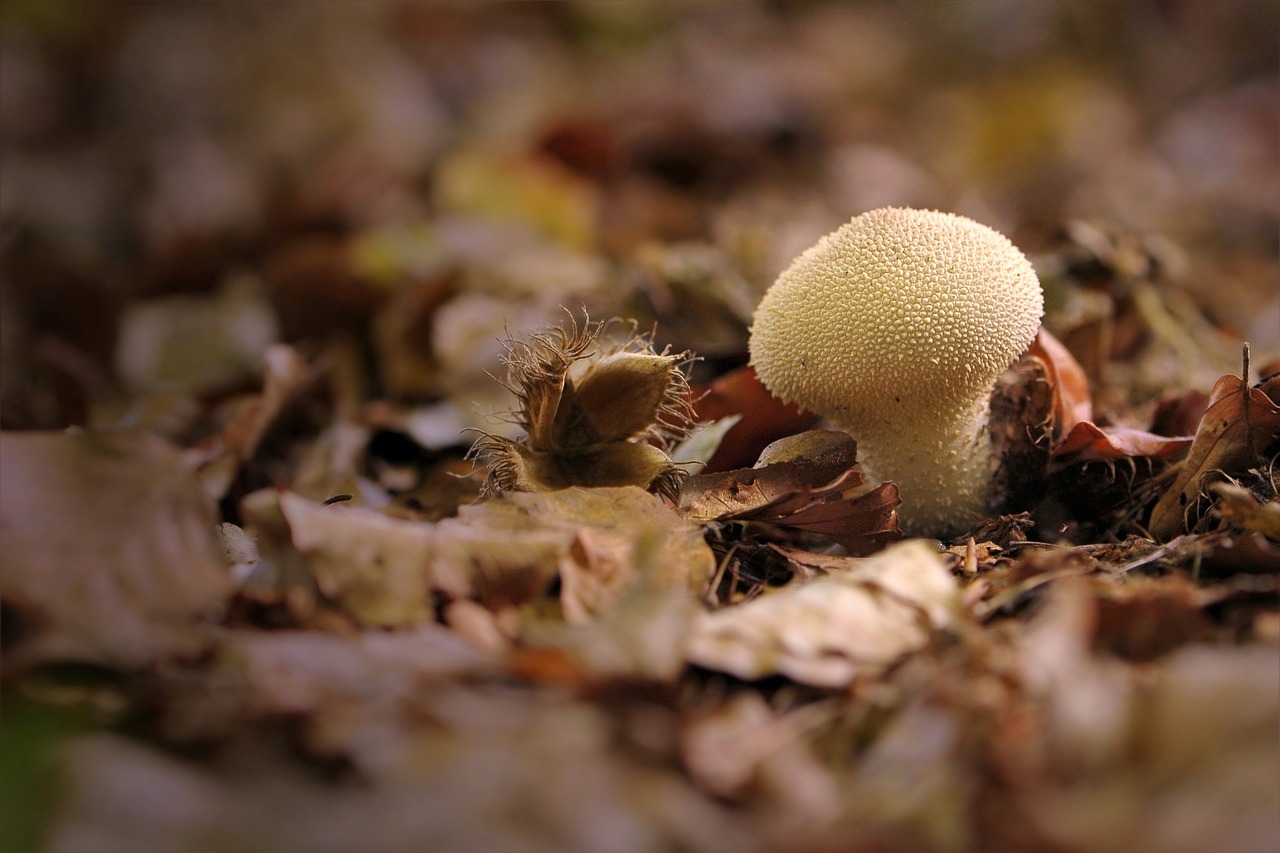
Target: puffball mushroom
<point>895,327</point>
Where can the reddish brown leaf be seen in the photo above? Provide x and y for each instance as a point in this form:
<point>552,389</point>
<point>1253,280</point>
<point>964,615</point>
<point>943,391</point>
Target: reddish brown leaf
<point>1077,438</point>
<point>1180,415</point>
<point>1088,442</point>
<point>1238,426</point>
<point>765,418</point>
<point>819,493</point>
<point>1070,384</point>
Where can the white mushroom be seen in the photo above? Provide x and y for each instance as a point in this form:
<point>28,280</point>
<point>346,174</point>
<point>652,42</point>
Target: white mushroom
<point>895,327</point>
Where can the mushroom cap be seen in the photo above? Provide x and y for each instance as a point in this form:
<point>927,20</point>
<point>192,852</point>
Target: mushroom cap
<point>896,304</point>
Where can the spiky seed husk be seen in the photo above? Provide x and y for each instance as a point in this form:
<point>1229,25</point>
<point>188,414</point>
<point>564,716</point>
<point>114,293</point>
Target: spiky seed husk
<point>589,417</point>
<point>536,374</point>
<point>515,468</point>
<point>617,397</point>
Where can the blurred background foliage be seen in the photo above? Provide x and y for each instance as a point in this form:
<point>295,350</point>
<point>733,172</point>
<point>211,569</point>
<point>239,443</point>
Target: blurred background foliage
<point>300,167</point>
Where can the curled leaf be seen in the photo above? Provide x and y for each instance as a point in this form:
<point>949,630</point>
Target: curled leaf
<point>1240,425</point>
<point>811,483</point>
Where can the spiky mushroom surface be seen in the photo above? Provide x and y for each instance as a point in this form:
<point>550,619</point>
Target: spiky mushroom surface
<point>896,327</point>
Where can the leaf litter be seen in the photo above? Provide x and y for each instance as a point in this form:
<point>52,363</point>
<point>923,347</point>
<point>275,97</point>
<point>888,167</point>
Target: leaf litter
<point>252,548</point>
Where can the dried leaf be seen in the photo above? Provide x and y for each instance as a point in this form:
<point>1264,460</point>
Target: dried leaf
<point>607,542</point>
<point>305,672</point>
<point>402,332</point>
<point>1187,765</point>
<point>704,441</point>
<point>1241,507</point>
<point>641,638</point>
<point>1088,442</point>
<point>490,770</point>
<point>378,569</point>
<point>286,374</point>
<point>602,542</point>
<point>1238,426</point>
<point>110,554</point>
<point>1077,438</point>
<point>1071,401</point>
<point>810,482</point>
<point>745,747</point>
<point>195,343</point>
<point>765,418</point>
<point>829,631</point>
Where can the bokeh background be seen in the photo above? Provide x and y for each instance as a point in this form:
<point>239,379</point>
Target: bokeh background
<point>183,183</point>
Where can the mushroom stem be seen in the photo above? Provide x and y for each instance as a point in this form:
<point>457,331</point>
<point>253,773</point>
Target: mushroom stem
<point>947,496</point>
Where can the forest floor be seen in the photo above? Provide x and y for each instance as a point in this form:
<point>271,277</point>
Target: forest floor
<point>333,520</point>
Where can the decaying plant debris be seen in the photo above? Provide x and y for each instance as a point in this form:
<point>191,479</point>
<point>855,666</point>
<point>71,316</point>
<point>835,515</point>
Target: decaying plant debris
<point>587,414</point>
<point>275,577</point>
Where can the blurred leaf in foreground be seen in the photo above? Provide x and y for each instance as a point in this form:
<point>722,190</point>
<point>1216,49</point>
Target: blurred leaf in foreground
<point>110,555</point>
<point>829,631</point>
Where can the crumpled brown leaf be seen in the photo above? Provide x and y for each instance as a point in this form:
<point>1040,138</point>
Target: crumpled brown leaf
<point>483,769</point>
<point>606,542</point>
<point>808,482</point>
<point>829,631</point>
<point>382,571</point>
<point>1077,438</point>
<point>1241,507</point>
<point>377,568</point>
<point>1239,425</point>
<point>1088,442</point>
<point>1067,379</point>
<point>110,553</point>
<point>640,639</point>
<point>744,746</point>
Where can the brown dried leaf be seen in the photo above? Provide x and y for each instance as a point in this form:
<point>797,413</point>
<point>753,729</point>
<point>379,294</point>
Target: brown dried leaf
<point>1239,425</point>
<point>618,539</point>
<point>765,418</point>
<point>318,289</point>
<point>110,553</point>
<point>305,672</point>
<point>745,747</point>
<point>828,631</point>
<point>1242,508</point>
<point>402,332</point>
<point>1145,618</point>
<point>1070,383</point>
<point>1088,442</point>
<point>196,343</point>
<point>378,569</point>
<point>608,541</point>
<point>640,638</point>
<point>286,373</point>
<point>458,770</point>
<point>1224,553</point>
<point>809,482</point>
<point>1187,764</point>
